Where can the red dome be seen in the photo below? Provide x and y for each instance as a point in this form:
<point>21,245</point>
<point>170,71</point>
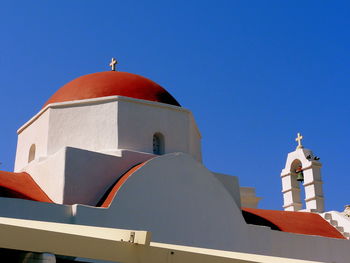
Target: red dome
<point>112,83</point>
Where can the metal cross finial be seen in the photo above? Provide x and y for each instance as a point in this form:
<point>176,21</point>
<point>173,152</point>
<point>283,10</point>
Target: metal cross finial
<point>298,139</point>
<point>113,63</point>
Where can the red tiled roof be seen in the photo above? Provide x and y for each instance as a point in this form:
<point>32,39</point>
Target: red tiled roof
<point>107,199</point>
<point>292,222</point>
<point>21,185</point>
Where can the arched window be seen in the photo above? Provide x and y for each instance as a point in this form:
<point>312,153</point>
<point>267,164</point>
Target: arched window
<point>158,143</point>
<point>31,155</point>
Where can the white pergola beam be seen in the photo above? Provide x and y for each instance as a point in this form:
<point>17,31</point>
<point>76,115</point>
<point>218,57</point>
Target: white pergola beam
<point>112,244</point>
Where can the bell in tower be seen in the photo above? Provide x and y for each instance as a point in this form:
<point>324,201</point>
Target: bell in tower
<point>300,174</point>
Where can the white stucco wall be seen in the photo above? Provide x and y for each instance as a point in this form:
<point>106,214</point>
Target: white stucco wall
<point>48,173</point>
<point>262,240</point>
<point>25,209</point>
<point>298,154</point>
<point>231,184</point>
<point>108,124</point>
<point>36,133</point>
<point>178,200</point>
<point>86,126</point>
<point>77,176</point>
<point>138,121</point>
<point>195,145</point>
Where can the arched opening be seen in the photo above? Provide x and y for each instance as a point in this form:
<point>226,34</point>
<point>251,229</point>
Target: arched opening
<point>297,179</point>
<point>158,143</point>
<point>31,155</point>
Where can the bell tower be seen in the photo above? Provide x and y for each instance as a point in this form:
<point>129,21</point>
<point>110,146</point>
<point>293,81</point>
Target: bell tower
<point>302,169</point>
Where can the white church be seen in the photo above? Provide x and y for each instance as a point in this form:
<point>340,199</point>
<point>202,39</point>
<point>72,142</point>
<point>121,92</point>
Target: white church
<point>110,170</point>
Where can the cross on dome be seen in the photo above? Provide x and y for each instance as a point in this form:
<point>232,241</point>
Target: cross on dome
<point>113,63</point>
<point>298,139</point>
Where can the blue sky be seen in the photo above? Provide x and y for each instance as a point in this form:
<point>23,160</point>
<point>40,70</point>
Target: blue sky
<point>254,73</point>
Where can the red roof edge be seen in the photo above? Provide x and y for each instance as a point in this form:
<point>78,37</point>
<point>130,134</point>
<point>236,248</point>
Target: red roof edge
<point>108,197</point>
<point>21,185</point>
<point>293,222</point>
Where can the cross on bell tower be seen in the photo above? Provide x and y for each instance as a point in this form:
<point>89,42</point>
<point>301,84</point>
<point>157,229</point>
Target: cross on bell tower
<point>298,139</point>
<point>113,64</point>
